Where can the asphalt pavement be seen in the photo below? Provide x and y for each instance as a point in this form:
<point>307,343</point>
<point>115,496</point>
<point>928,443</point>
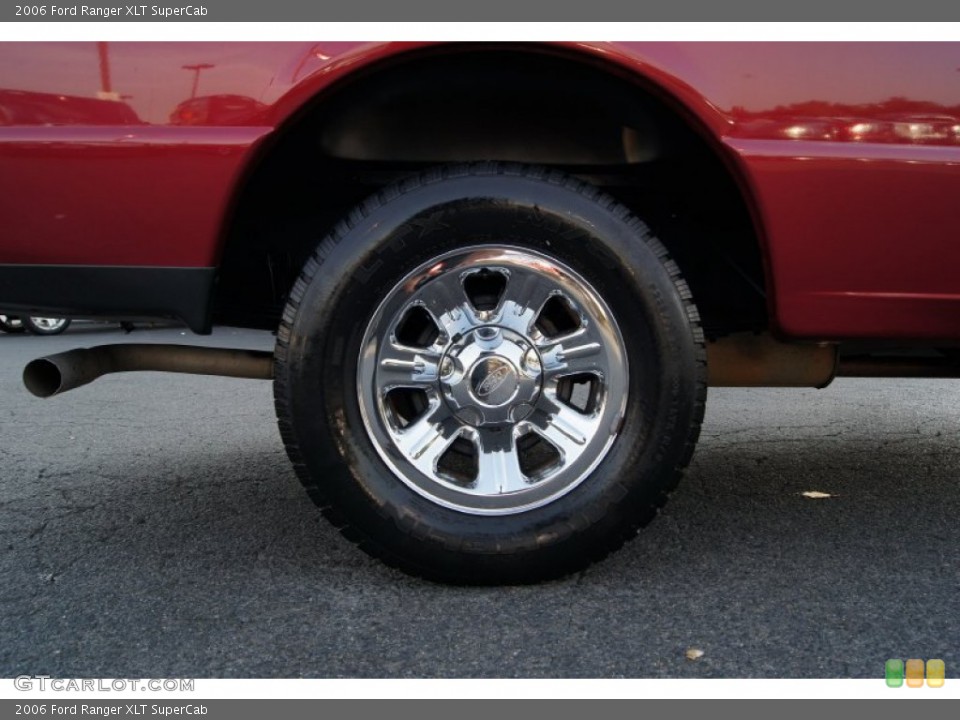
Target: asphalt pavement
<point>151,526</point>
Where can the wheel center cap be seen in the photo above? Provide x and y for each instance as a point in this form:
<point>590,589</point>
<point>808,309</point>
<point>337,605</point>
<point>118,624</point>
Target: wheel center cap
<point>493,381</point>
<point>491,376</point>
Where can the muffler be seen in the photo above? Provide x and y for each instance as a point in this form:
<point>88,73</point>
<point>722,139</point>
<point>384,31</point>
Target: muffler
<point>55,374</point>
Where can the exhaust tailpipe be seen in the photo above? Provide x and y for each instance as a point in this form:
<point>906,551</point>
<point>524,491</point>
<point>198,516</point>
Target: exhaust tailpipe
<point>55,374</point>
<point>748,360</point>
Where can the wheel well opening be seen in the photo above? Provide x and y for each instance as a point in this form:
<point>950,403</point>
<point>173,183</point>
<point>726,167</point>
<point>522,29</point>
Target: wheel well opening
<point>511,104</point>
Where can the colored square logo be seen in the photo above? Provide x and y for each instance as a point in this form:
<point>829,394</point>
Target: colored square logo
<point>893,671</point>
<point>914,673</point>
<point>936,672</point>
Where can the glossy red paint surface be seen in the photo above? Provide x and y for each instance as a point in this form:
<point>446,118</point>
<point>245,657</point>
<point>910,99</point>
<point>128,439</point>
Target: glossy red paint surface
<point>138,195</point>
<point>849,154</point>
<point>861,245</point>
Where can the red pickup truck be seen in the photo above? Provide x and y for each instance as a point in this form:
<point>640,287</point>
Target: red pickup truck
<point>502,276</point>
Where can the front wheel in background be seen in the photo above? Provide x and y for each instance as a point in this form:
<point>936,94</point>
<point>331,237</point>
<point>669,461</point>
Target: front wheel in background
<point>490,374</point>
<point>45,326</point>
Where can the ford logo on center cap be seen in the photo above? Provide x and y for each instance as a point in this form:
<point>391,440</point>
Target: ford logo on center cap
<point>494,379</point>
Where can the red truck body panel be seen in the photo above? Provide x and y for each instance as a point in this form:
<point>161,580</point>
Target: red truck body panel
<point>130,154</point>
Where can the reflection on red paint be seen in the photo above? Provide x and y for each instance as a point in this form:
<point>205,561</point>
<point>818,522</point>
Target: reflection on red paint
<point>221,110</point>
<point>896,120</point>
<point>21,107</point>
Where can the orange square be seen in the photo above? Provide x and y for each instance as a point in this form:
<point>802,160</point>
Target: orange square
<point>914,673</point>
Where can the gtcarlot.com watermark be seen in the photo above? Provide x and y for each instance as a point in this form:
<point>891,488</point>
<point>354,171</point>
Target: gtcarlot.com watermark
<point>45,683</point>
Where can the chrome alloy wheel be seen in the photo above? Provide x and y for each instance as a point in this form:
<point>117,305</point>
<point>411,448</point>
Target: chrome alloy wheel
<point>51,325</point>
<point>492,380</point>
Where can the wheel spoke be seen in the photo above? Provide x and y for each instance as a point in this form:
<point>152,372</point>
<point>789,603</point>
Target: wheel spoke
<point>425,441</point>
<point>564,428</point>
<point>523,299</point>
<point>498,463</point>
<point>445,299</point>
<point>572,354</point>
<point>403,366</point>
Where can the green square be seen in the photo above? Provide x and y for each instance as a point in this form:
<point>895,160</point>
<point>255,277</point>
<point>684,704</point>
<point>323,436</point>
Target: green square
<point>894,673</point>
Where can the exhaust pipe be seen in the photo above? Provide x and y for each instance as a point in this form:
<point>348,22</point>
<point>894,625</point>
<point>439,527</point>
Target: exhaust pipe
<point>748,360</point>
<point>741,360</point>
<point>55,374</point>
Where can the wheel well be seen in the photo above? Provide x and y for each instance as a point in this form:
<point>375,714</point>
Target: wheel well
<point>518,105</point>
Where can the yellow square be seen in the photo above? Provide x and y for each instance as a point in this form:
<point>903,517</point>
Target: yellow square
<point>914,673</point>
<point>936,672</point>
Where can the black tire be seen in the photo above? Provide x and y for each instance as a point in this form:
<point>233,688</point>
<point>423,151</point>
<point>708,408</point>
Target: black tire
<point>410,223</point>
<point>42,326</point>
<point>11,324</point>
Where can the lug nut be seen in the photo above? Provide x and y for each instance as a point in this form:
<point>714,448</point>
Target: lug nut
<point>520,411</point>
<point>531,361</point>
<point>470,415</point>
<point>446,367</point>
